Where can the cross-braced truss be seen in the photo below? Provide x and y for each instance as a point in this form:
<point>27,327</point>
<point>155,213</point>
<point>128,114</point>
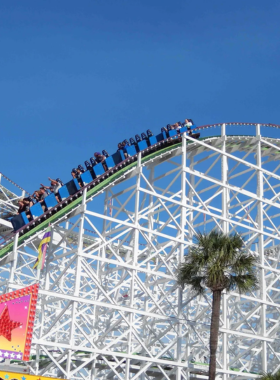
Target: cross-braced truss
<point>109,305</point>
<point>10,193</point>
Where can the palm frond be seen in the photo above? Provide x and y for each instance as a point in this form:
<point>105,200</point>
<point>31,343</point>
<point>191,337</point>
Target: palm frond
<point>243,262</point>
<point>243,283</point>
<point>196,284</point>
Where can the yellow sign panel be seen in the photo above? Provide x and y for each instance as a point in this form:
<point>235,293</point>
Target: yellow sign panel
<point>23,376</point>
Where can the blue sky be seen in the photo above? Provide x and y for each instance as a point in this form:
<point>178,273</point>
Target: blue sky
<point>78,77</point>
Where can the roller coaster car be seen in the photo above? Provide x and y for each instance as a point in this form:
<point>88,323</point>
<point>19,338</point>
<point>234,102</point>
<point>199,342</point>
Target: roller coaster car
<point>164,132</point>
<point>146,144</point>
<point>142,145</point>
<point>87,177</point>
<point>134,143</point>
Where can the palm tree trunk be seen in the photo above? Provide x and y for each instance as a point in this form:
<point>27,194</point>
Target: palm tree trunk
<point>214,332</point>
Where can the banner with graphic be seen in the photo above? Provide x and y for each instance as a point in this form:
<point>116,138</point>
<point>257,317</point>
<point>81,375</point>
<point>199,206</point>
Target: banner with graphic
<point>17,315</point>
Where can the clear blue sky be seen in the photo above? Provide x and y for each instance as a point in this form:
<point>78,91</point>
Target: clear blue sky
<point>78,76</point>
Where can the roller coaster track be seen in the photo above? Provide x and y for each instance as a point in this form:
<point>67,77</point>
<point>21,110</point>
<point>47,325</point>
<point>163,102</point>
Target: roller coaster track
<point>118,173</point>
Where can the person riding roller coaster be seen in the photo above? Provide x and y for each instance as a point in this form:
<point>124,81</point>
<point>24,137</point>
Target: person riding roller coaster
<point>55,186</point>
<point>189,123</point>
<point>24,206</point>
<point>40,196</point>
<point>100,158</point>
<point>76,173</point>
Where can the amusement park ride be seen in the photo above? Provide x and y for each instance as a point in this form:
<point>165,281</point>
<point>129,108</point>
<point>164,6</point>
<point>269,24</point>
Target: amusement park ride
<point>109,306</point>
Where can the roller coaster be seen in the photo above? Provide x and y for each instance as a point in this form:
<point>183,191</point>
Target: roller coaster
<point>96,173</point>
<point>109,305</point>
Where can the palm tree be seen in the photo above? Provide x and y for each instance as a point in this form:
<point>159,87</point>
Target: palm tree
<point>218,262</point>
<point>269,376</point>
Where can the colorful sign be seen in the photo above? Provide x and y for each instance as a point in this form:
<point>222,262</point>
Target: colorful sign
<point>22,376</point>
<point>17,314</point>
